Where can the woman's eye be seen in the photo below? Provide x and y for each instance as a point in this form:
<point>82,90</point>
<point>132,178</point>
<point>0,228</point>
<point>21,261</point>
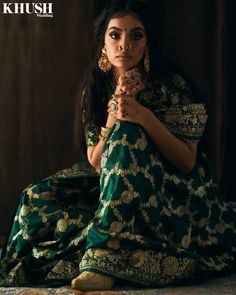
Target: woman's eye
<point>136,36</point>
<point>114,35</point>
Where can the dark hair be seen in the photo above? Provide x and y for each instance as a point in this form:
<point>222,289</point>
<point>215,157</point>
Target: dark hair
<point>89,106</point>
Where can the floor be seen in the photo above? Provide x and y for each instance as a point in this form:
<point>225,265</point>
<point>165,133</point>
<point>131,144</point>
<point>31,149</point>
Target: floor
<point>219,286</point>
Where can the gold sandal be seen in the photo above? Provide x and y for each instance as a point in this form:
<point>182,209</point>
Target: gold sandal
<point>92,281</point>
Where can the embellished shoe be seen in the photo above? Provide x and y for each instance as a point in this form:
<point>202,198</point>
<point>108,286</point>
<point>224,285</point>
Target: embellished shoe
<point>92,281</point>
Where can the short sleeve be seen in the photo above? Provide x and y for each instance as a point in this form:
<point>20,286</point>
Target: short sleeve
<point>186,121</point>
<point>184,118</point>
<point>91,134</point>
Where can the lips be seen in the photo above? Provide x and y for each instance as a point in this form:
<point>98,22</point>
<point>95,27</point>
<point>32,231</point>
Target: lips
<point>123,56</point>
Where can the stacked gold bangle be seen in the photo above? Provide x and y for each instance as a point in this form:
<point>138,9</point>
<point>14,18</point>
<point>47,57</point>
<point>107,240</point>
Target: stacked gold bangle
<point>104,133</point>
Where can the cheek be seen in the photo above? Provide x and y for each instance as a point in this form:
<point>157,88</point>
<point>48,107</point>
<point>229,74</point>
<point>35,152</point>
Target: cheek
<point>110,55</point>
<point>140,47</point>
<point>110,49</point>
<point>140,50</point>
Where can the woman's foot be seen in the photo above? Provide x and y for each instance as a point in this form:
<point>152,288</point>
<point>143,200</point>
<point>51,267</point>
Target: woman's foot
<point>91,281</point>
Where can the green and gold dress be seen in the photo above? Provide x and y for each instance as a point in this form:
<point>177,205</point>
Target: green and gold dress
<point>141,219</point>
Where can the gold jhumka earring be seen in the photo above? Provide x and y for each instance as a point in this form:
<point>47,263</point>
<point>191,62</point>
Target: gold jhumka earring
<point>146,61</point>
<point>103,62</point>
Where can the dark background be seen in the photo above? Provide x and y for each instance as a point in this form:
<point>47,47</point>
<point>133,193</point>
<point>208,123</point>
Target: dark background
<point>43,59</point>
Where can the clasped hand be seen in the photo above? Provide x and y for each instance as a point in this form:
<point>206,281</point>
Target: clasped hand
<point>123,104</point>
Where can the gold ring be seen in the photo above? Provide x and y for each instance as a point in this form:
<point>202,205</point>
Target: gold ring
<point>113,106</point>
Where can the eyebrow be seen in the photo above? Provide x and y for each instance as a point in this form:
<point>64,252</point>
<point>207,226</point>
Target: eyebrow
<point>134,29</point>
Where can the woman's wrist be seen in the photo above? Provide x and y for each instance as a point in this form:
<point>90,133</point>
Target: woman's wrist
<point>144,116</point>
<point>104,133</point>
<point>110,121</point>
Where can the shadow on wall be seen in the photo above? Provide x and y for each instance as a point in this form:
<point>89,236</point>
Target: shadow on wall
<point>42,60</point>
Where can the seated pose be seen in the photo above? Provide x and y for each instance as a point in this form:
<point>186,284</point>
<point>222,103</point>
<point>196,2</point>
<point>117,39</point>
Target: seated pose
<point>142,205</point>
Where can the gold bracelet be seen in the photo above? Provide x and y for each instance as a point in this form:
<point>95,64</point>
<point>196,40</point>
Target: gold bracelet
<point>104,133</point>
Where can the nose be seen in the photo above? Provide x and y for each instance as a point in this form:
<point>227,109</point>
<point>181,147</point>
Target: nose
<point>125,44</point>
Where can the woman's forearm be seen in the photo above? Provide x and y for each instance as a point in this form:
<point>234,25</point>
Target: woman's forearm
<point>181,154</point>
<point>94,153</point>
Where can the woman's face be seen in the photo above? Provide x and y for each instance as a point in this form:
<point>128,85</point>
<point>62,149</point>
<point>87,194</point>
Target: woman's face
<point>125,42</point>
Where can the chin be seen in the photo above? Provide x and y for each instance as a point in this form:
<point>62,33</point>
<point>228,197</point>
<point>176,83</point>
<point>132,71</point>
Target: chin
<point>125,67</point>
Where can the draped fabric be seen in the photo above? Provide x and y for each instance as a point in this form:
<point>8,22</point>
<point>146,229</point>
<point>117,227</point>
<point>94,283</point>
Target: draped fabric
<point>141,219</point>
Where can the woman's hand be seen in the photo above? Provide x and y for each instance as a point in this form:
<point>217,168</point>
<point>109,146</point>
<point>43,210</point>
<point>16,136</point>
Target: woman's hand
<point>123,105</point>
<point>129,109</point>
<point>130,83</point>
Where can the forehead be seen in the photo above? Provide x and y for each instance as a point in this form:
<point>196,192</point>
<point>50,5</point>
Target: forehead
<point>126,22</point>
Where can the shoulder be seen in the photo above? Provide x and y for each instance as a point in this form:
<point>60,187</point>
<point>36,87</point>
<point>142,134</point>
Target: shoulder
<point>175,80</point>
<point>173,88</point>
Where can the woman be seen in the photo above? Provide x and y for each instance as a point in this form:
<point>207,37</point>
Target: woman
<point>144,207</point>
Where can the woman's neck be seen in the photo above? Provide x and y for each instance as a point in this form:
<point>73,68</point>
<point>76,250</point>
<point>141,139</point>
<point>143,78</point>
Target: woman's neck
<point>117,72</point>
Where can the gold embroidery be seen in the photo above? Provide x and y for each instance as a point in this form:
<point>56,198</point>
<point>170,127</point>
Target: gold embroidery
<point>47,243</point>
<point>83,234</point>
<point>76,169</point>
<point>170,265</point>
<point>46,196</point>
<point>181,210</point>
<point>91,134</point>
<point>186,121</point>
<point>153,201</point>
<point>148,267</point>
<point>25,210</point>
<point>175,99</point>
<point>40,253</point>
<point>62,225</point>
<point>127,197</point>
<point>137,259</point>
<point>113,243</point>
<point>64,270</point>
<point>186,241</point>
<point>116,226</point>
<point>220,227</point>
<point>201,191</point>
